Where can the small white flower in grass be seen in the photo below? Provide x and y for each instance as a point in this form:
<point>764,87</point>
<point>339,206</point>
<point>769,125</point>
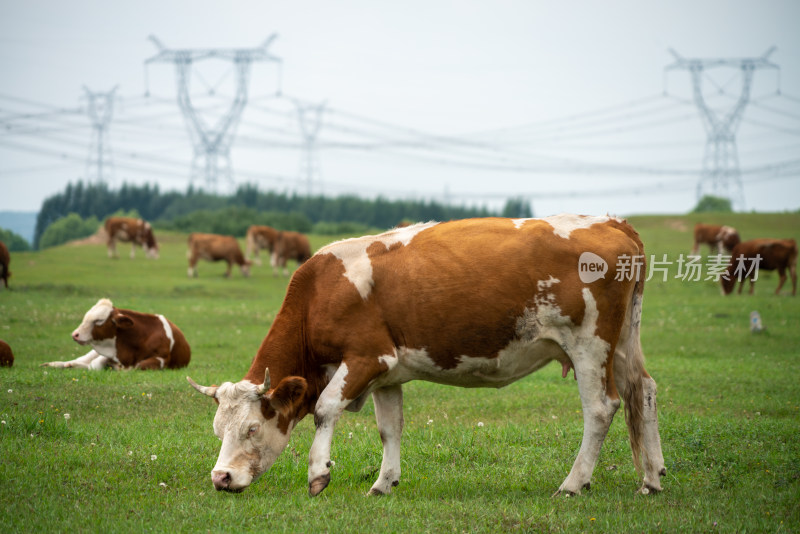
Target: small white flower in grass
<point>162,484</point>
<point>3,422</point>
<point>480,423</point>
<point>333,463</point>
<point>11,391</point>
<point>349,435</point>
<point>430,421</point>
<point>149,395</point>
<point>153,457</point>
<point>66,416</point>
<point>130,453</point>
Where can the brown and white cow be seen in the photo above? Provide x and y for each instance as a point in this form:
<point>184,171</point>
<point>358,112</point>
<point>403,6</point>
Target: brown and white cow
<point>213,247</point>
<point>718,238</point>
<point>127,339</point>
<point>5,261</point>
<point>471,303</point>
<point>259,238</point>
<point>133,231</point>
<point>289,246</point>
<point>750,257</point>
<point>6,355</point>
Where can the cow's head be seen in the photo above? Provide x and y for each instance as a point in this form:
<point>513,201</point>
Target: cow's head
<point>150,245</point>
<point>254,423</point>
<point>100,324</point>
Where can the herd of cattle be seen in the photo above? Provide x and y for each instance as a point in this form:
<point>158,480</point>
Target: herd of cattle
<point>470,303</point>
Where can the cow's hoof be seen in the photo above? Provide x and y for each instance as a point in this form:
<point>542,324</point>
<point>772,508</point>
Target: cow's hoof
<point>316,486</point>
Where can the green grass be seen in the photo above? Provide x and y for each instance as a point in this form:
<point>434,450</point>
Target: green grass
<point>136,451</point>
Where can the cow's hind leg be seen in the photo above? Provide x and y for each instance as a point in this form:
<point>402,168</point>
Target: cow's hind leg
<point>781,280</point>
<point>600,401</point>
<point>389,414</point>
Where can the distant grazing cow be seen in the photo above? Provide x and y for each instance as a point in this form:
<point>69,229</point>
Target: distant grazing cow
<point>718,238</point>
<point>6,356</point>
<point>133,231</point>
<point>127,339</point>
<point>5,261</point>
<point>776,254</point>
<point>471,303</point>
<point>213,247</point>
<point>289,246</point>
<point>259,238</point>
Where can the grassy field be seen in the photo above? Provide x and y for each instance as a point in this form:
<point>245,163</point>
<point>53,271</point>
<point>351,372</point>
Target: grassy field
<point>136,450</point>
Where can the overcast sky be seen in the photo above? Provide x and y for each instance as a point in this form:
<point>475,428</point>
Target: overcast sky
<point>471,101</point>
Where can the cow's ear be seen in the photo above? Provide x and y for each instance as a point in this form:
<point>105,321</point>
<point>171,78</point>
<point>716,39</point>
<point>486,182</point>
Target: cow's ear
<point>122,321</point>
<point>288,396</point>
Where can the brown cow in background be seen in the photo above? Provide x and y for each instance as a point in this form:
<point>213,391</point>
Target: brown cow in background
<point>716,237</point>
<point>213,247</point>
<point>6,356</point>
<point>5,260</point>
<point>259,238</point>
<point>133,231</point>
<point>289,246</point>
<point>775,254</point>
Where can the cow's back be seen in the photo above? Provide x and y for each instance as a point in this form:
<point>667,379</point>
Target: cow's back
<point>181,353</point>
<point>440,285</point>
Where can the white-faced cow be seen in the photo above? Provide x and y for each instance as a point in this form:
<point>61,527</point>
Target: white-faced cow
<point>718,238</point>
<point>259,238</point>
<point>5,260</point>
<point>133,231</point>
<point>289,246</point>
<point>471,303</point>
<point>750,257</point>
<point>213,247</point>
<point>127,339</point>
<point>6,355</point>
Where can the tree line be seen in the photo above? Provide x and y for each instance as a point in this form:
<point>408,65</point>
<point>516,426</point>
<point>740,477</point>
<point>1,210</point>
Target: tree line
<point>199,211</point>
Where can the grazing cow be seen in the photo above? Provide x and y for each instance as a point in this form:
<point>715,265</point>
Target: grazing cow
<point>5,261</point>
<point>134,231</point>
<point>260,238</point>
<point>775,254</point>
<point>213,247</point>
<point>471,303</point>
<point>127,339</point>
<point>718,238</point>
<point>289,246</point>
<point>6,356</point>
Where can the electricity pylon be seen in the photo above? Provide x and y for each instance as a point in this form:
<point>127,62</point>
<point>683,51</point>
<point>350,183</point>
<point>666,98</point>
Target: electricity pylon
<point>100,108</point>
<point>212,144</point>
<point>721,175</point>
<point>310,119</point>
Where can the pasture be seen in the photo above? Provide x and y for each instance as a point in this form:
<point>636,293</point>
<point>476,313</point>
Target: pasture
<point>135,450</point>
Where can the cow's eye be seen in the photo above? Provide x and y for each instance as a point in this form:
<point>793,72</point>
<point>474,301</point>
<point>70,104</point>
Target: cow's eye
<point>253,430</point>
<point>99,322</point>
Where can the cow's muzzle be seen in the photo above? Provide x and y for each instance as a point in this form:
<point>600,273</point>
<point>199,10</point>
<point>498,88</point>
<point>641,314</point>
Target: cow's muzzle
<point>222,481</point>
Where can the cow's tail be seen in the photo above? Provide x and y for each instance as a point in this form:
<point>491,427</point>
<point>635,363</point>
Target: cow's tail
<point>250,243</point>
<point>633,392</point>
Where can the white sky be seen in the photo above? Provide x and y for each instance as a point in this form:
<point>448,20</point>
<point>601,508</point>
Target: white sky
<point>442,68</point>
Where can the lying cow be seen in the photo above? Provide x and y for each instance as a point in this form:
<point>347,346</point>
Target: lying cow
<point>289,246</point>
<point>750,257</point>
<point>133,231</point>
<point>471,303</point>
<point>5,261</point>
<point>718,238</point>
<point>127,339</point>
<point>6,355</point>
<point>213,247</point>
<point>259,238</point>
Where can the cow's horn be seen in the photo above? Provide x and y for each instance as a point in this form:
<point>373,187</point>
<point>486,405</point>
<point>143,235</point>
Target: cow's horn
<point>263,388</point>
<point>211,391</point>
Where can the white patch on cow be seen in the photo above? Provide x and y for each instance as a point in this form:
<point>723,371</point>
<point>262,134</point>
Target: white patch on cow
<point>250,443</point>
<point>390,360</point>
<point>168,331</point>
<point>327,411</point>
<point>566,223</point>
<point>161,362</point>
<point>97,315</point>
<point>519,222</point>
<point>91,360</point>
<point>541,285</point>
<point>353,253</point>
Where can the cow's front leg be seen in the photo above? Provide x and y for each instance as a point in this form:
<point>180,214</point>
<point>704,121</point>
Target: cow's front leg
<point>133,250</point>
<point>91,360</point>
<point>389,414</point>
<point>599,406</point>
<point>348,382</point>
